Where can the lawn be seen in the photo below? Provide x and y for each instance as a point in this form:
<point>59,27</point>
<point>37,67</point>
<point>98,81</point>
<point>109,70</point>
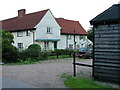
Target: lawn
<point>83,82</point>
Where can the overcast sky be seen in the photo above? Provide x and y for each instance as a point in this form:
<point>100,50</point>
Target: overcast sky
<point>79,10</point>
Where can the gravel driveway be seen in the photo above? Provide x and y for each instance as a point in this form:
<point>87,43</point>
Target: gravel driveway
<point>46,74</point>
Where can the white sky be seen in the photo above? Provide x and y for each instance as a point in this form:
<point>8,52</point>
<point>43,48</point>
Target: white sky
<point>79,10</point>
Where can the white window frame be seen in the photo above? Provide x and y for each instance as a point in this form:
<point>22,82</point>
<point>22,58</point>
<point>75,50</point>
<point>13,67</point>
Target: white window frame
<point>27,33</point>
<point>46,45</point>
<point>49,30</point>
<point>70,46</point>
<point>69,37</point>
<point>20,46</point>
<point>19,34</point>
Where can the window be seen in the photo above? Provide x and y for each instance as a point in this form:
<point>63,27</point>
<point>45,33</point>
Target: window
<point>20,46</point>
<point>19,34</point>
<point>69,37</point>
<point>82,38</point>
<point>27,33</point>
<point>70,46</point>
<point>49,30</point>
<point>46,44</point>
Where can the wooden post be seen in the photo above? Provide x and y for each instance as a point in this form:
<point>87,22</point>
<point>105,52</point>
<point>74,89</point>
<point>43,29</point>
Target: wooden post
<point>74,67</point>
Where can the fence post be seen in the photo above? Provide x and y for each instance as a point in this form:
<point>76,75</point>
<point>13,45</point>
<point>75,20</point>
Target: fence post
<point>74,67</point>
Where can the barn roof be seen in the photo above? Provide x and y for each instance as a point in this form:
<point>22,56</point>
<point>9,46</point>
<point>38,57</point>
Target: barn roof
<point>110,15</point>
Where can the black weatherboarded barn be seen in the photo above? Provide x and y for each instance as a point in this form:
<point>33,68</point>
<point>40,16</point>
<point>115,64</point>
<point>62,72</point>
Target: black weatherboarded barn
<point>106,60</point>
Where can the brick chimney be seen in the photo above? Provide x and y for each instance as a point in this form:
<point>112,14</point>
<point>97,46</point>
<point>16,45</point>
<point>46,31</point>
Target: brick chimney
<point>21,12</point>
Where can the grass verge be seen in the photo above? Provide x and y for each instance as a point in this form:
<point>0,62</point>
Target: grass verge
<point>83,82</point>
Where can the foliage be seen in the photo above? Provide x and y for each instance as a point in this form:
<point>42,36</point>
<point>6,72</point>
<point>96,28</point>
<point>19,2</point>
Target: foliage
<point>60,56</point>
<point>44,55</point>
<point>34,46</point>
<point>26,61</point>
<point>64,51</point>
<point>9,52</point>
<point>29,53</point>
<point>90,34</point>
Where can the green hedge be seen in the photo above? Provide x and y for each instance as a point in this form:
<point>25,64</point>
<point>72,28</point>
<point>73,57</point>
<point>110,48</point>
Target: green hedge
<point>34,46</point>
<point>29,53</point>
<point>9,54</point>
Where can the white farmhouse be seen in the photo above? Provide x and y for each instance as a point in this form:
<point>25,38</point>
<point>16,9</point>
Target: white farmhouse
<point>43,29</point>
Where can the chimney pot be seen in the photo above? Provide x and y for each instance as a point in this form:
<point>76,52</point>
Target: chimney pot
<point>21,12</point>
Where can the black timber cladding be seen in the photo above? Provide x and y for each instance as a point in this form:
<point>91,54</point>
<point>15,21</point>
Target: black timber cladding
<point>106,60</point>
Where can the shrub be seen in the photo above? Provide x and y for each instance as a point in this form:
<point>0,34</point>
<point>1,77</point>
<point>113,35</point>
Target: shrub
<point>44,55</point>
<point>34,46</point>
<point>29,53</point>
<point>26,61</point>
<point>9,54</point>
<point>64,51</point>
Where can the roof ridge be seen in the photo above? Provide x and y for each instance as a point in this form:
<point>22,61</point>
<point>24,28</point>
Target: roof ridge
<point>25,15</point>
<point>37,12</point>
<point>67,19</point>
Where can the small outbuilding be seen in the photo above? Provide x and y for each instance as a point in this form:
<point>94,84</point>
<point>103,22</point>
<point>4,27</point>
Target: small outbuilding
<point>106,48</point>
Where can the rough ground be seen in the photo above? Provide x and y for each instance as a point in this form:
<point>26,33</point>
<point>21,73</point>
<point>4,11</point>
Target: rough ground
<point>46,74</point>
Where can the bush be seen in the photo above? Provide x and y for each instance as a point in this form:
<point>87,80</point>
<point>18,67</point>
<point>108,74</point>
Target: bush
<point>29,53</point>
<point>44,55</point>
<point>9,54</point>
<point>26,61</point>
<point>34,46</point>
<point>64,51</point>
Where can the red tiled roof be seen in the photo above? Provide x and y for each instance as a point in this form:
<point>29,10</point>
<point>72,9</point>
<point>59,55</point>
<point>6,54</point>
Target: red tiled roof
<point>70,26</point>
<point>28,21</point>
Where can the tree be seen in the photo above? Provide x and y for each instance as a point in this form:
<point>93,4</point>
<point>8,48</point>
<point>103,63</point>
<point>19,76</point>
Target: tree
<point>9,52</point>
<point>90,34</point>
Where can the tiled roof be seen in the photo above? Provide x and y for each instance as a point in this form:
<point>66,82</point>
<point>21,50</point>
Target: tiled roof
<point>111,14</point>
<point>28,21</point>
<point>70,26</point>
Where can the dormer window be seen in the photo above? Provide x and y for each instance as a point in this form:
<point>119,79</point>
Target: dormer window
<point>49,30</point>
<point>19,34</point>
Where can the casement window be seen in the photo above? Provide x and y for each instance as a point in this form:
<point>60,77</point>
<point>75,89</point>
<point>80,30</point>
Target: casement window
<point>69,37</point>
<point>20,46</point>
<point>27,33</point>
<point>46,44</point>
<point>70,46</point>
<point>82,38</point>
<point>19,34</point>
<point>49,30</point>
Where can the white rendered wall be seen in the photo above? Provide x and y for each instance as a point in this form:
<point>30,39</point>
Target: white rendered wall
<point>26,40</point>
<point>47,21</point>
<point>41,43</point>
<point>81,43</point>
<point>62,42</point>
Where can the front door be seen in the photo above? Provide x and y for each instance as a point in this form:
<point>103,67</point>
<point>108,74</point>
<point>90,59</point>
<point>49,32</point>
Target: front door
<point>55,45</point>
